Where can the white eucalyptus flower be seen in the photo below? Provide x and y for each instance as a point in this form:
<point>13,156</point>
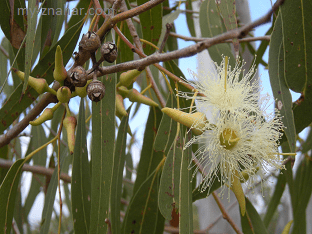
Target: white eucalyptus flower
<point>240,138</point>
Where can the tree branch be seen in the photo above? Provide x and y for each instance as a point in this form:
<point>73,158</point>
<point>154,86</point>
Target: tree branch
<point>36,169</point>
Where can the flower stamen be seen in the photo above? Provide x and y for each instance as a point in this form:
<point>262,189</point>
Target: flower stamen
<point>225,71</point>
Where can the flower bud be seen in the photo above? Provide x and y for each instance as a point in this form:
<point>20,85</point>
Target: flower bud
<point>78,76</point>
<point>135,96</point>
<point>90,42</point>
<point>38,84</point>
<point>239,193</point>
<point>127,78</point>
<point>96,90</point>
<point>287,227</point>
<point>109,52</point>
<point>59,72</point>
<point>46,115</point>
<point>82,91</point>
<point>63,94</point>
<point>195,121</point>
<point>123,91</point>
<point>120,109</point>
<point>70,123</point>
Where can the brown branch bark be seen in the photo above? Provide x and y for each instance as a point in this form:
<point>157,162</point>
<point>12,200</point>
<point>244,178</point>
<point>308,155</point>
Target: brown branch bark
<point>36,169</point>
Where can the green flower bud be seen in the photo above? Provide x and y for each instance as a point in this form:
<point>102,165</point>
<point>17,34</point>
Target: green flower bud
<point>123,91</point>
<point>38,84</point>
<point>59,72</point>
<point>82,91</point>
<point>127,78</point>
<point>120,109</point>
<point>70,123</point>
<point>194,121</point>
<point>135,96</point>
<point>46,115</point>
<point>63,94</point>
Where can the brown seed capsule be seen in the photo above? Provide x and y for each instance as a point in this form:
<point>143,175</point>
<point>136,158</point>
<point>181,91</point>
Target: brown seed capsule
<point>90,42</point>
<point>96,90</point>
<point>78,76</point>
<point>109,52</point>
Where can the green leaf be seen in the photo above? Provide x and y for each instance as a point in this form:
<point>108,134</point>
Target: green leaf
<point>303,190</point>
<point>50,197</point>
<point>167,129</point>
<point>102,155</point>
<point>149,158</point>
<point>168,196</point>
<point>117,176</point>
<point>190,18</point>
<point>279,87</point>
<point>211,25</point>
<point>30,39</point>
<point>4,153</point>
<point>227,10</point>
<point>81,180</point>
<point>256,222</point>
<point>151,24</point>
<point>296,21</point>
<point>185,189</point>
<point>307,145</point>
<point>15,105</point>
<point>143,210</point>
<point>8,191</point>
<point>38,139</point>
<point>275,199</point>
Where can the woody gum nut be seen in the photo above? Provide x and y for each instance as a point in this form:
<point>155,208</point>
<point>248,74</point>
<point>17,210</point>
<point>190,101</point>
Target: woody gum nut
<point>96,90</point>
<point>127,78</point>
<point>46,115</point>
<point>239,193</point>
<point>59,72</point>
<point>135,96</point>
<point>38,84</point>
<point>90,42</point>
<point>70,123</point>
<point>109,51</point>
<point>194,121</point>
<point>78,76</point>
<point>120,109</point>
<point>63,94</point>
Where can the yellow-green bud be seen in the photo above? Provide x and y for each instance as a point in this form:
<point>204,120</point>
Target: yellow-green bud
<point>59,72</point>
<point>120,109</point>
<point>123,91</point>
<point>70,123</point>
<point>63,94</point>
<point>195,121</point>
<point>82,91</point>
<point>127,78</point>
<point>287,227</point>
<point>38,84</point>
<point>239,193</point>
<point>46,115</point>
<point>135,96</point>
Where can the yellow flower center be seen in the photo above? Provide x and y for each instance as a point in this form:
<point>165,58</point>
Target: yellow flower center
<point>228,138</point>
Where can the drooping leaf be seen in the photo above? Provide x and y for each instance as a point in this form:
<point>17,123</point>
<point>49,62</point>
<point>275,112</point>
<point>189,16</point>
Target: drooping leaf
<point>279,87</point>
<point>256,226</point>
<point>102,155</point>
<point>275,199</point>
<point>8,191</point>
<point>50,197</point>
<point>81,180</point>
<point>117,176</point>
<point>211,25</point>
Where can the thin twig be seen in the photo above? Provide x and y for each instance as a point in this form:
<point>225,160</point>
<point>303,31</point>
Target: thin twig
<point>196,39</point>
<point>163,43</point>
<point>35,169</point>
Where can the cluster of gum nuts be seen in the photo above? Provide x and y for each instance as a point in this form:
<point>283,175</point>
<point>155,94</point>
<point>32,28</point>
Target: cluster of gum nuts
<point>75,83</point>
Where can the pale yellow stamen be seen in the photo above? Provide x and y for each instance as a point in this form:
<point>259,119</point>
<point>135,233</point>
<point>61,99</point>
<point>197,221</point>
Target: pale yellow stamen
<point>225,71</point>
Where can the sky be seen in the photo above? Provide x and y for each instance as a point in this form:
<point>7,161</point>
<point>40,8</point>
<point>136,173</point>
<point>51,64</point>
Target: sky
<point>257,9</point>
